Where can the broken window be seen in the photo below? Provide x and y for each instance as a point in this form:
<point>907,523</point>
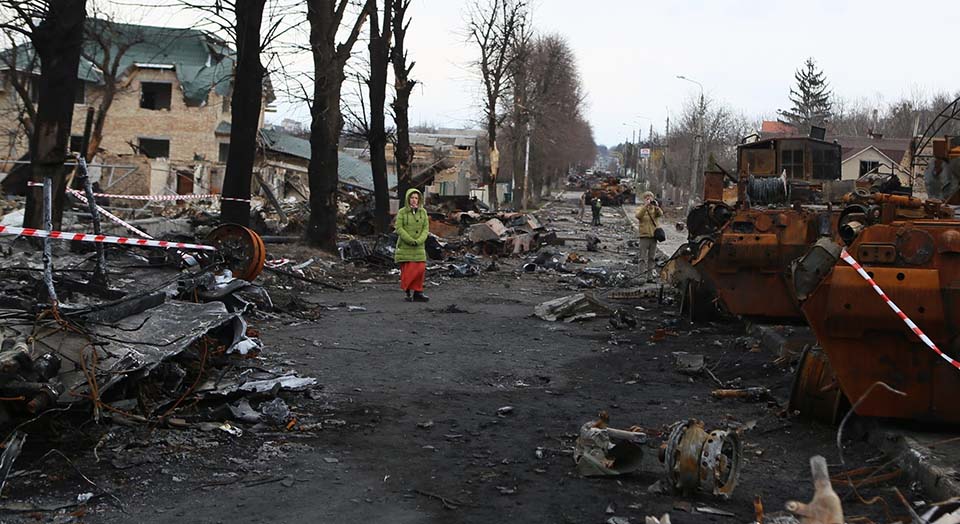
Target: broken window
<point>155,95</point>
<point>826,163</point>
<point>80,95</point>
<point>155,147</point>
<point>791,161</point>
<point>225,108</point>
<point>868,166</point>
<point>224,152</point>
<point>76,143</point>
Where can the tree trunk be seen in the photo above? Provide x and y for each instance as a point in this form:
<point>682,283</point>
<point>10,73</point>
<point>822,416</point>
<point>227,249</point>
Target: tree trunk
<point>520,138</point>
<point>377,135</point>
<point>329,60</point>
<point>494,160</point>
<point>403,85</point>
<point>245,114</point>
<point>57,40</point>
<point>324,165</point>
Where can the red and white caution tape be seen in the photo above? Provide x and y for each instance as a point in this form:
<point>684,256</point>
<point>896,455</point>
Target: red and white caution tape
<point>105,239</point>
<point>191,196</point>
<point>168,197</point>
<point>913,327</point>
<point>110,215</point>
<point>277,263</point>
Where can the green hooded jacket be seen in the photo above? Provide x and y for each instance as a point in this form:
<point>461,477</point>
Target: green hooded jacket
<point>413,228</point>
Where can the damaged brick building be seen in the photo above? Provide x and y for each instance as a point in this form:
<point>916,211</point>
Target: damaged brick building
<point>171,102</point>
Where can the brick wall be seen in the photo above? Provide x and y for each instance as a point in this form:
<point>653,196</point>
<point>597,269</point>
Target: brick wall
<point>190,130</point>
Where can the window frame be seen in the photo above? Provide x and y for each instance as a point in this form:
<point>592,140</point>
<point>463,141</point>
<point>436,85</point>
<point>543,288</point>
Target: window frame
<point>140,146</point>
<point>169,85</point>
<point>793,165</point>
<point>874,165</point>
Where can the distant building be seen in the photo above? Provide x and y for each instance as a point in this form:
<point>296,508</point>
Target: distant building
<point>292,126</point>
<point>283,160</point>
<point>777,129</point>
<point>874,154</point>
<point>449,161</point>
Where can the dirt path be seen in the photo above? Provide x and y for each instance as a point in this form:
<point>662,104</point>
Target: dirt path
<point>409,403</point>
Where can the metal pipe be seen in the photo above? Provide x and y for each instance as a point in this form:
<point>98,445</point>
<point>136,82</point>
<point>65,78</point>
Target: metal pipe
<point>48,225</point>
<point>100,271</point>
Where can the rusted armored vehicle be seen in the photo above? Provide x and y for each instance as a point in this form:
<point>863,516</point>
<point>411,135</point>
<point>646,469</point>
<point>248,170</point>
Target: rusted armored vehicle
<point>910,249</point>
<point>738,252</point>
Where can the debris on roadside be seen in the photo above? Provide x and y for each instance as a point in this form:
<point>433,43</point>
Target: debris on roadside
<point>753,394</point>
<point>825,507</point>
<point>689,363</point>
<point>698,460</point>
<point>580,306</point>
<point>604,451</point>
<point>664,519</point>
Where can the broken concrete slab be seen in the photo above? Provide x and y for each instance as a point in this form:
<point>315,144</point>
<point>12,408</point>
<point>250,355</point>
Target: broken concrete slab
<point>579,306</point>
<point>492,229</point>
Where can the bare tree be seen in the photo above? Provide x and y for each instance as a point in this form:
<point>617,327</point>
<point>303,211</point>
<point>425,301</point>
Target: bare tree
<point>106,42</point>
<point>723,128</point>
<point>379,47</point>
<point>899,119</point>
<point>55,30</point>
<point>493,26</point>
<point>244,24</point>
<point>520,128</point>
<point>560,137</point>
<point>403,87</point>
<point>329,60</point>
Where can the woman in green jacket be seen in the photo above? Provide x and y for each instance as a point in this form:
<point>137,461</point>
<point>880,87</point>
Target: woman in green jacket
<point>413,228</point>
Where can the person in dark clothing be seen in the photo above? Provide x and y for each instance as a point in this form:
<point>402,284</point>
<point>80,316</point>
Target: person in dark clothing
<point>596,205</point>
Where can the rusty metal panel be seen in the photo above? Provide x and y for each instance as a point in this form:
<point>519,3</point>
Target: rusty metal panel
<point>747,264</point>
<point>863,337</point>
<point>877,253</point>
<point>713,186</point>
<point>759,161</point>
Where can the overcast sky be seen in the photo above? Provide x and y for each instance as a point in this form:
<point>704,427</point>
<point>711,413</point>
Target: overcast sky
<point>743,52</point>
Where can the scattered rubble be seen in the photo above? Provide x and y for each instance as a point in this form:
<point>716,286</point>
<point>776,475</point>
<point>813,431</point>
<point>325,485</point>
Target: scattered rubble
<point>604,451</point>
<point>580,306</point>
<point>697,460</point>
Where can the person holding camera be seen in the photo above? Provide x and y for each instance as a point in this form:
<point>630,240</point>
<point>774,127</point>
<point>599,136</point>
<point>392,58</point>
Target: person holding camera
<point>649,230</point>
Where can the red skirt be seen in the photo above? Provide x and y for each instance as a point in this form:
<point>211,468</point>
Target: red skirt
<point>412,275</point>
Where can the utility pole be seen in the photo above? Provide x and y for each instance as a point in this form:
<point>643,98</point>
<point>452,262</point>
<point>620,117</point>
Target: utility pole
<point>697,172</point>
<point>636,158</point>
<point>663,159</point>
<point>526,171</point>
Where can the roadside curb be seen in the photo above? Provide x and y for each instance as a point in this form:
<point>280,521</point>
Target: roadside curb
<point>931,468</point>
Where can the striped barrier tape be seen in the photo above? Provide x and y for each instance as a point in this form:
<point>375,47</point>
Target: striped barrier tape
<point>168,197</point>
<point>106,239</point>
<point>184,256</point>
<point>111,216</point>
<point>913,327</point>
<point>157,197</point>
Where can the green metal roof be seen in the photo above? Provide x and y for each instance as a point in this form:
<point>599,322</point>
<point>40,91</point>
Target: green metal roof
<point>350,169</point>
<point>201,61</point>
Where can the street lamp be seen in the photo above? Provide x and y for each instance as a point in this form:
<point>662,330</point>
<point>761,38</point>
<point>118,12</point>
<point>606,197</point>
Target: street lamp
<point>697,145</point>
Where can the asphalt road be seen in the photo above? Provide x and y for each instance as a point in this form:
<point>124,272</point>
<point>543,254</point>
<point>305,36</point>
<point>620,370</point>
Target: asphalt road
<point>410,402</point>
